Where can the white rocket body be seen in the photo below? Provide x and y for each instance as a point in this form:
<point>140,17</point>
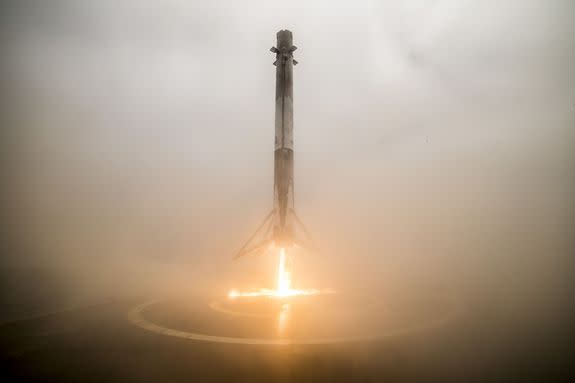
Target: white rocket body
<point>281,227</point>
<point>283,154</point>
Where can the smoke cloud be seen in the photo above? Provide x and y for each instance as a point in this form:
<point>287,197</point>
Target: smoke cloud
<point>434,145</point>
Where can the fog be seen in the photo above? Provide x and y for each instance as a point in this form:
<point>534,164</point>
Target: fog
<point>433,146</point>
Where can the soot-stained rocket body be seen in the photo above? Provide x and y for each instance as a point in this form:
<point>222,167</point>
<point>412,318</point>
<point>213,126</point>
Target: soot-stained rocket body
<point>282,227</point>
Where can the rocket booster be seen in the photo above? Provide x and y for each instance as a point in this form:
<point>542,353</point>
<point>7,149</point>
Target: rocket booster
<point>282,227</point>
<point>283,154</point>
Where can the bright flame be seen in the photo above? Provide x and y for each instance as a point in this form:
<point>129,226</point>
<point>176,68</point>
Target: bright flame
<point>283,286</point>
<point>284,280</point>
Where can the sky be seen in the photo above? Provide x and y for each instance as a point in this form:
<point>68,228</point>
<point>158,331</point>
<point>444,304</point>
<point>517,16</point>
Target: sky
<point>426,132</point>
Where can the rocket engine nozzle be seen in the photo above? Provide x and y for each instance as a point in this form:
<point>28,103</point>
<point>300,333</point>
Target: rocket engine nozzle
<point>283,236</point>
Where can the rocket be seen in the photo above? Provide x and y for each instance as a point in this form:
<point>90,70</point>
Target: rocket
<point>281,227</point>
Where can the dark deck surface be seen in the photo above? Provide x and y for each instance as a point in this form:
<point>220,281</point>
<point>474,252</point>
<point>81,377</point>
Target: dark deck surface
<point>99,344</point>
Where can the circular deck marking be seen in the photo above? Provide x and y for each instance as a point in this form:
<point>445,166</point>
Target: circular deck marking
<point>217,306</point>
<point>136,317</point>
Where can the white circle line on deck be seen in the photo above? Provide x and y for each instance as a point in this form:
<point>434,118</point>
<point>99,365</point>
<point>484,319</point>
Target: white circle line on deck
<point>136,317</point>
<point>216,306</point>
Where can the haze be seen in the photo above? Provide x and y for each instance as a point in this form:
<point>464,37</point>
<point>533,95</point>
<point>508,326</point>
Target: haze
<point>433,142</point>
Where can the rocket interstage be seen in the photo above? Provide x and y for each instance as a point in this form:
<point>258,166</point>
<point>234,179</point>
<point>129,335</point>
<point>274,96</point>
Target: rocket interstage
<point>281,228</point>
